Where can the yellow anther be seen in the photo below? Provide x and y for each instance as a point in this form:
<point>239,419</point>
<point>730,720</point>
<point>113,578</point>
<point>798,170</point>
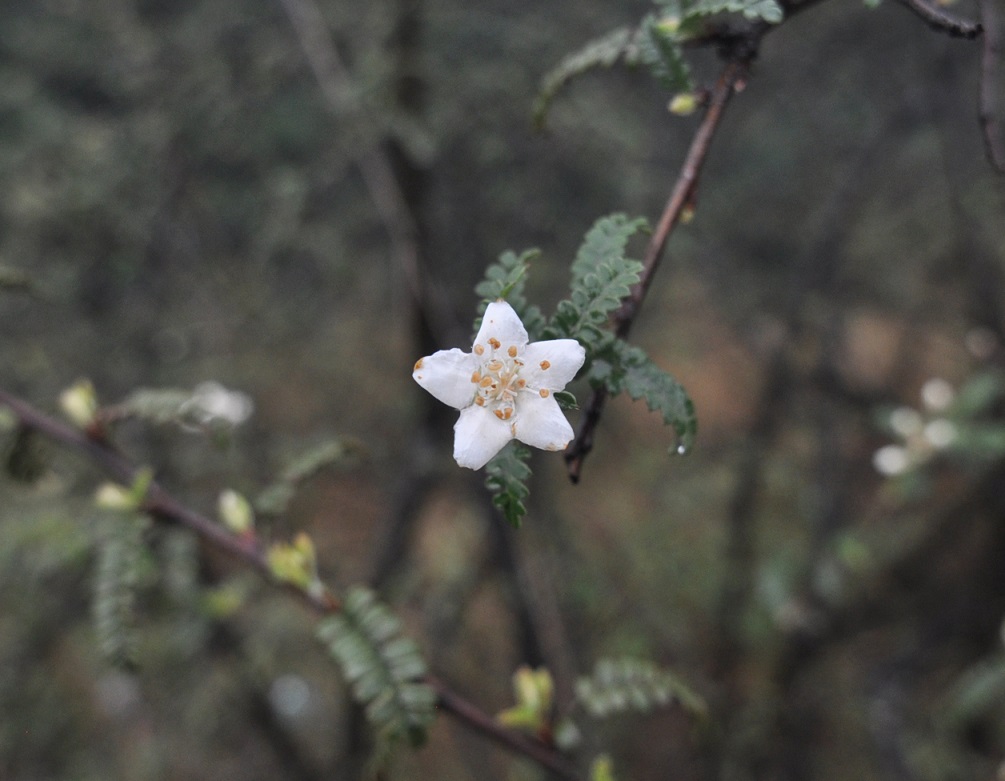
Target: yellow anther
<point>479,401</point>
<point>496,344</point>
<point>512,351</point>
<point>545,393</point>
<point>545,364</point>
<point>498,413</point>
<point>476,377</point>
<point>486,382</point>
<point>521,383</point>
<point>418,365</point>
<point>479,349</point>
<point>494,366</point>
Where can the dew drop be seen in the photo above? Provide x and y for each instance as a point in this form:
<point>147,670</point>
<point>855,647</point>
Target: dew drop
<point>682,449</point>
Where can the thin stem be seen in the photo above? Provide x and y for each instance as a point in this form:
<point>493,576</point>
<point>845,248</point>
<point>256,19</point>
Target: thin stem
<point>163,506</point>
<point>683,192</point>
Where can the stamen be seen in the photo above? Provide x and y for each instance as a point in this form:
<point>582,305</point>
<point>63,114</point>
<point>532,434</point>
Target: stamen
<point>545,364</point>
<point>418,365</point>
<point>545,393</point>
<point>498,413</point>
<point>512,351</point>
<point>476,377</point>
<point>496,344</point>
<point>480,401</point>
<point>486,382</point>
<point>521,383</point>
<point>479,349</point>
<point>494,365</point>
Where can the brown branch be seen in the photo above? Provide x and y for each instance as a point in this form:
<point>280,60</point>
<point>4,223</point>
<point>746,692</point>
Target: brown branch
<point>990,91</point>
<point>683,191</point>
<point>938,19</point>
<point>164,507</point>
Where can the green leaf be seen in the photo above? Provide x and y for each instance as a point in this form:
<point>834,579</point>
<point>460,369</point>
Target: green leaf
<point>766,10</point>
<point>506,477</point>
<point>656,47</point>
<point>382,666</point>
<point>601,278</point>
<point>274,499</point>
<point>622,368</point>
<point>113,605</point>
<point>619,685</point>
<point>505,279</point>
<point>601,52</point>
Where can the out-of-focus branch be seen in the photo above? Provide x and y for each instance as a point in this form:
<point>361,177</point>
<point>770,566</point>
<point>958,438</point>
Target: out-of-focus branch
<point>732,77</point>
<point>939,19</point>
<point>990,86</point>
<point>164,507</point>
<point>373,163</point>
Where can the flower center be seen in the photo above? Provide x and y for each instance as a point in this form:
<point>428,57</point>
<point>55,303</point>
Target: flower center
<point>497,380</point>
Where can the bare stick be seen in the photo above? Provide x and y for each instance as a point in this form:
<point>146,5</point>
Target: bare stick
<point>164,507</point>
<point>938,19</point>
<point>683,191</point>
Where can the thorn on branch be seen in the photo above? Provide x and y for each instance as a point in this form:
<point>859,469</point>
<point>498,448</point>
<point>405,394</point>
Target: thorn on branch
<point>938,19</point>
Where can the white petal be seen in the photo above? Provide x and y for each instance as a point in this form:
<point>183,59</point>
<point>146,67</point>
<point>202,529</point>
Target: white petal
<point>562,357</point>
<point>447,375</point>
<point>501,322</point>
<point>479,435</point>
<point>540,423</point>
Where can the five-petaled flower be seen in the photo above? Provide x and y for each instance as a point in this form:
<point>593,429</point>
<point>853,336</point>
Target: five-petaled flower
<point>505,388</point>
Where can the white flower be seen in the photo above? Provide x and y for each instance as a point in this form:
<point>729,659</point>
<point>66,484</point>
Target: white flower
<point>504,387</point>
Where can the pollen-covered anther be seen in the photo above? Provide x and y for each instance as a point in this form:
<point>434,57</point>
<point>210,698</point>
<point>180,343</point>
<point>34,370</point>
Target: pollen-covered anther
<point>418,365</point>
<point>478,348</point>
<point>479,401</point>
<point>504,413</point>
<point>496,344</point>
<point>545,393</point>
<point>545,365</point>
<point>495,365</point>
<point>476,377</point>
<point>511,352</point>
<point>521,384</point>
<point>486,382</point>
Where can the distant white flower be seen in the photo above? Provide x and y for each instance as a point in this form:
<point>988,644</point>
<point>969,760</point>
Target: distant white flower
<point>505,388</point>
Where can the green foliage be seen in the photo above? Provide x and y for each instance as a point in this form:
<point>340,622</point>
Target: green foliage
<point>619,685</point>
<point>656,45</point>
<point>601,278</point>
<point>116,578</point>
<point>623,368</point>
<point>601,52</point>
<point>506,279</point>
<point>506,478</point>
<point>763,10</point>
<point>275,498</point>
<point>383,667</point>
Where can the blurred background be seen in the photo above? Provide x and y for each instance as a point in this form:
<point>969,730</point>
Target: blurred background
<point>183,200</point>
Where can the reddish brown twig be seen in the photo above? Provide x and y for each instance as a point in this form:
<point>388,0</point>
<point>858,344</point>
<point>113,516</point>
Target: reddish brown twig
<point>164,507</point>
<point>682,194</point>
